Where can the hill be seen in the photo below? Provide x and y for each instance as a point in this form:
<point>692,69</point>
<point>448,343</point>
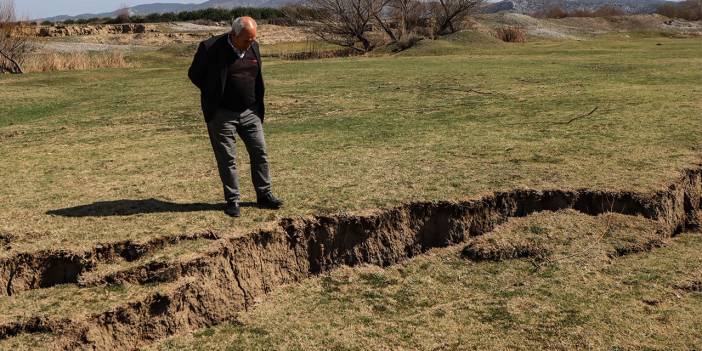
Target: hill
<point>175,7</point>
<point>532,6</point>
<point>518,6</point>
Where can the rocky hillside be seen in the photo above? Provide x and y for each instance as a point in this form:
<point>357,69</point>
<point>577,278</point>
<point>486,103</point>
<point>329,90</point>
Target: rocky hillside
<point>533,6</point>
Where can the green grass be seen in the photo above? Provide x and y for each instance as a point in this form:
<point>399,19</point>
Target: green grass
<point>581,298</point>
<point>347,134</point>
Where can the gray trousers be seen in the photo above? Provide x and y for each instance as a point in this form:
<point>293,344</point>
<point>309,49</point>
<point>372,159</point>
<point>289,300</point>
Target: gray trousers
<point>222,130</point>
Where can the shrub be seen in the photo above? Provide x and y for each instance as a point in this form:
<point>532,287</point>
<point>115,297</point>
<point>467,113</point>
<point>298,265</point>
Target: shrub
<point>407,42</point>
<point>608,11</point>
<point>314,51</point>
<point>511,34</point>
<point>553,12</point>
<point>319,54</point>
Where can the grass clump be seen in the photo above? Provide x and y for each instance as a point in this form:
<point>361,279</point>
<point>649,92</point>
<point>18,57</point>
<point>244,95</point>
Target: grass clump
<point>496,248</point>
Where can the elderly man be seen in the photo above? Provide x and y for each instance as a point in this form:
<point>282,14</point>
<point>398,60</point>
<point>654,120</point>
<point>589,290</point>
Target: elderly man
<point>227,70</point>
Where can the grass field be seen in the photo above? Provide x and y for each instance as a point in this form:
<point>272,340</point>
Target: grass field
<point>91,157</point>
<point>344,134</point>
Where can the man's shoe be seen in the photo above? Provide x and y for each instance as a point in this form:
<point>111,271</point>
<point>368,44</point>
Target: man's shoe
<point>233,209</point>
<point>269,201</point>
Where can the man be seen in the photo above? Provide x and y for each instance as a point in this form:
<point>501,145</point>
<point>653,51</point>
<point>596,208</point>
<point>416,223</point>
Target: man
<point>227,70</point>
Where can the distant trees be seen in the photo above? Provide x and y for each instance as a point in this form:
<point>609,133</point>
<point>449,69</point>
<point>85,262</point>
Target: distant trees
<point>14,43</point>
<point>690,10</point>
<point>448,13</point>
<point>217,14</point>
<point>556,10</point>
<point>210,14</point>
<point>355,23</point>
<point>344,22</point>
<point>408,16</point>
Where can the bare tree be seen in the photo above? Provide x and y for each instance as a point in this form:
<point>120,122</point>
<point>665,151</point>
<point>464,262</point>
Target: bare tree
<point>14,42</point>
<point>382,20</point>
<point>409,15</point>
<point>447,14</point>
<point>344,22</point>
<point>349,22</point>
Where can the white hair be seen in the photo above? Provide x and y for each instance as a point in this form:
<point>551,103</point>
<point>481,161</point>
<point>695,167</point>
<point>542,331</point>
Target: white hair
<point>238,25</point>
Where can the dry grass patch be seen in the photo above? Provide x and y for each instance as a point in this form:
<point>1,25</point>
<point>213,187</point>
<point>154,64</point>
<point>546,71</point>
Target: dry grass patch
<point>60,61</point>
<point>511,34</point>
<point>500,247</point>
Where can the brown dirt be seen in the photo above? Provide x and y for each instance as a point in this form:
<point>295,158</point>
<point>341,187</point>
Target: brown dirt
<point>215,286</point>
<point>26,271</point>
<point>106,37</point>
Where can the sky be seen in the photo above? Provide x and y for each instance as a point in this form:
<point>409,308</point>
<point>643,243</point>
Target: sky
<point>47,8</point>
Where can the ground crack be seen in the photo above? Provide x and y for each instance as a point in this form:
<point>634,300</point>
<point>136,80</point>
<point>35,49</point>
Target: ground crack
<point>383,237</point>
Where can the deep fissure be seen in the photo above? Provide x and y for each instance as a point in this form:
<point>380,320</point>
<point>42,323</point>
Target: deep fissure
<point>226,279</point>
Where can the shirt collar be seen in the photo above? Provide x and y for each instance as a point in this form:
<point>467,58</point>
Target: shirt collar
<point>238,52</point>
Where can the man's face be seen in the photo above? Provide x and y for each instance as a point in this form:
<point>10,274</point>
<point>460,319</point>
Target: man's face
<point>245,38</point>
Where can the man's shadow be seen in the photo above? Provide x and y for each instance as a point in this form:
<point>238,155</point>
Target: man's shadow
<point>132,207</point>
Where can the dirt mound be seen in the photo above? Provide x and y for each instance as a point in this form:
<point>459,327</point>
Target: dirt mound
<point>89,29</point>
<point>500,247</point>
<point>540,238</point>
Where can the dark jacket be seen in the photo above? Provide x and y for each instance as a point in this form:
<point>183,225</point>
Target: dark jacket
<point>209,72</point>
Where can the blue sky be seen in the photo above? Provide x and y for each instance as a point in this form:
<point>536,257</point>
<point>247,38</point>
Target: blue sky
<point>48,8</point>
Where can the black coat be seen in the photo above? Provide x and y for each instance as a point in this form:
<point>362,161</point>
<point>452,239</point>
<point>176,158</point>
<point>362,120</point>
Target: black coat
<point>209,72</point>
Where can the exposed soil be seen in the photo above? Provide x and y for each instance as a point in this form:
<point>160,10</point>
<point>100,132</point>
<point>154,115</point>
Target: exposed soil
<point>112,37</point>
<point>213,287</point>
<point>26,271</point>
